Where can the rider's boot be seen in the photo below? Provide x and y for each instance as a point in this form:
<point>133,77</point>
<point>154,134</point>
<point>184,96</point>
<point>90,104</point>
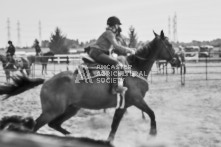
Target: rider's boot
<point>118,86</point>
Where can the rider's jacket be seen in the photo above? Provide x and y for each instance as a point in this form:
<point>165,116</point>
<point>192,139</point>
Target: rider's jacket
<point>11,50</point>
<point>107,41</point>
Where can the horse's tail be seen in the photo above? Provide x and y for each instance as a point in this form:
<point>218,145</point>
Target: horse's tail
<point>21,84</point>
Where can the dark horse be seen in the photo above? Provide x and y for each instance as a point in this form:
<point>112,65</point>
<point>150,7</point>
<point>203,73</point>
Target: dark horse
<point>62,97</point>
<point>21,64</point>
<point>41,59</point>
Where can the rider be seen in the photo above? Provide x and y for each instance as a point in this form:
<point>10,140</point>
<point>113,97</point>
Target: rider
<point>100,51</point>
<point>37,48</point>
<point>121,40</point>
<point>181,54</point>
<point>10,54</point>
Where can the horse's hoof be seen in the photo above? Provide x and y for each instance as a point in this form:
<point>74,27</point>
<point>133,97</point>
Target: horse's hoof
<point>68,135</point>
<point>111,141</point>
<point>153,132</point>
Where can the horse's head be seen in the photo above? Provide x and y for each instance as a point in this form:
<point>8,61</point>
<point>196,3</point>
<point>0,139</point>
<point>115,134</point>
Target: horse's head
<point>166,50</point>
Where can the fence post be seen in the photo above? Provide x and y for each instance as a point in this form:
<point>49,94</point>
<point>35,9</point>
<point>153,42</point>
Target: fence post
<point>151,76</point>
<point>182,74</point>
<point>206,68</point>
<point>67,62</point>
<point>166,72</point>
<point>58,60</point>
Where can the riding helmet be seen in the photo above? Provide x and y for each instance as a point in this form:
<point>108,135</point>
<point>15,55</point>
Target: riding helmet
<point>113,20</point>
<point>9,42</point>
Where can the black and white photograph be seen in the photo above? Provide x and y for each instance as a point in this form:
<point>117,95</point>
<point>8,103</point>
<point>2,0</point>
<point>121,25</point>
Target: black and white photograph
<point>110,73</point>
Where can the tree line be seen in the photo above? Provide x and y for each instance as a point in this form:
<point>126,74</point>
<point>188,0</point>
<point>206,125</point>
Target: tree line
<point>60,44</point>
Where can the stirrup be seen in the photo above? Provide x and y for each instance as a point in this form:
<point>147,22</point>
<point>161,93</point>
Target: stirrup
<point>119,90</point>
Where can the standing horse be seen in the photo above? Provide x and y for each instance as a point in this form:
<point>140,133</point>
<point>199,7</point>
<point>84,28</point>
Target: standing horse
<point>64,94</point>
<point>41,59</point>
<point>20,63</point>
<point>180,64</point>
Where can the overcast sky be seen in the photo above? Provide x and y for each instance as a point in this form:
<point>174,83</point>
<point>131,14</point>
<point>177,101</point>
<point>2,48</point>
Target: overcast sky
<point>86,19</point>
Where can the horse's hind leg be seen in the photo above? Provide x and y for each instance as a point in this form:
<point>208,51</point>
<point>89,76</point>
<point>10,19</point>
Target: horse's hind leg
<point>118,115</point>
<point>43,119</point>
<point>57,122</point>
<point>141,104</point>
<point>22,72</point>
<point>46,69</point>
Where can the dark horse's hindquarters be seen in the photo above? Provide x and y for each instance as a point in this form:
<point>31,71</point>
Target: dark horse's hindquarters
<point>61,97</point>
<point>41,59</point>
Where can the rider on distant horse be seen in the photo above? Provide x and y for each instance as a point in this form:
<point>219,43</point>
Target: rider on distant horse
<point>10,53</point>
<point>181,54</point>
<point>37,48</point>
<point>100,51</point>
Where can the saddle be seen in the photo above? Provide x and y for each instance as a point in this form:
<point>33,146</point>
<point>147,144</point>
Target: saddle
<point>90,68</point>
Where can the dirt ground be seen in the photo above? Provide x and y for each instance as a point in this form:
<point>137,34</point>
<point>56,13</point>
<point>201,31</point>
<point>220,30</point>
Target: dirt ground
<point>186,116</point>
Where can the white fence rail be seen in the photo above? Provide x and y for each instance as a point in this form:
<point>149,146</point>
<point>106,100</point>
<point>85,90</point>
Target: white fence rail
<point>58,58</point>
<point>66,57</point>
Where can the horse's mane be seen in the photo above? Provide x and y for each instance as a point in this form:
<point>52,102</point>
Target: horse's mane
<point>145,50</point>
<point>142,54</point>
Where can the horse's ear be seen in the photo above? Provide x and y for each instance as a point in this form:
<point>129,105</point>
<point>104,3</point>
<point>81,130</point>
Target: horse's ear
<point>155,33</point>
<point>162,34</point>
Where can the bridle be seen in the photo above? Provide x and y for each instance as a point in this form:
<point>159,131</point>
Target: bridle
<point>170,53</point>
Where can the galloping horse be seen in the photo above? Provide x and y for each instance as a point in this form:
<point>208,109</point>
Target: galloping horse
<point>62,97</point>
<point>21,63</point>
<point>41,59</point>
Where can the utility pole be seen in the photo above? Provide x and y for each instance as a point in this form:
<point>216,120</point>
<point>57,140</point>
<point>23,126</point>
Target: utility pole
<point>18,34</point>
<point>39,32</point>
<point>169,31</point>
<point>175,38</point>
<point>8,29</point>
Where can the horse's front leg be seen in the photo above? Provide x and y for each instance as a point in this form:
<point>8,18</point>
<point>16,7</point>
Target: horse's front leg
<point>46,69</point>
<point>42,71</point>
<point>118,115</point>
<point>141,104</point>
<point>28,71</point>
<point>7,74</point>
<point>22,72</point>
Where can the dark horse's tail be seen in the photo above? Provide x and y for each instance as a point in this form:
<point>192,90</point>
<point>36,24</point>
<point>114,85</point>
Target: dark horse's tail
<point>20,84</point>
